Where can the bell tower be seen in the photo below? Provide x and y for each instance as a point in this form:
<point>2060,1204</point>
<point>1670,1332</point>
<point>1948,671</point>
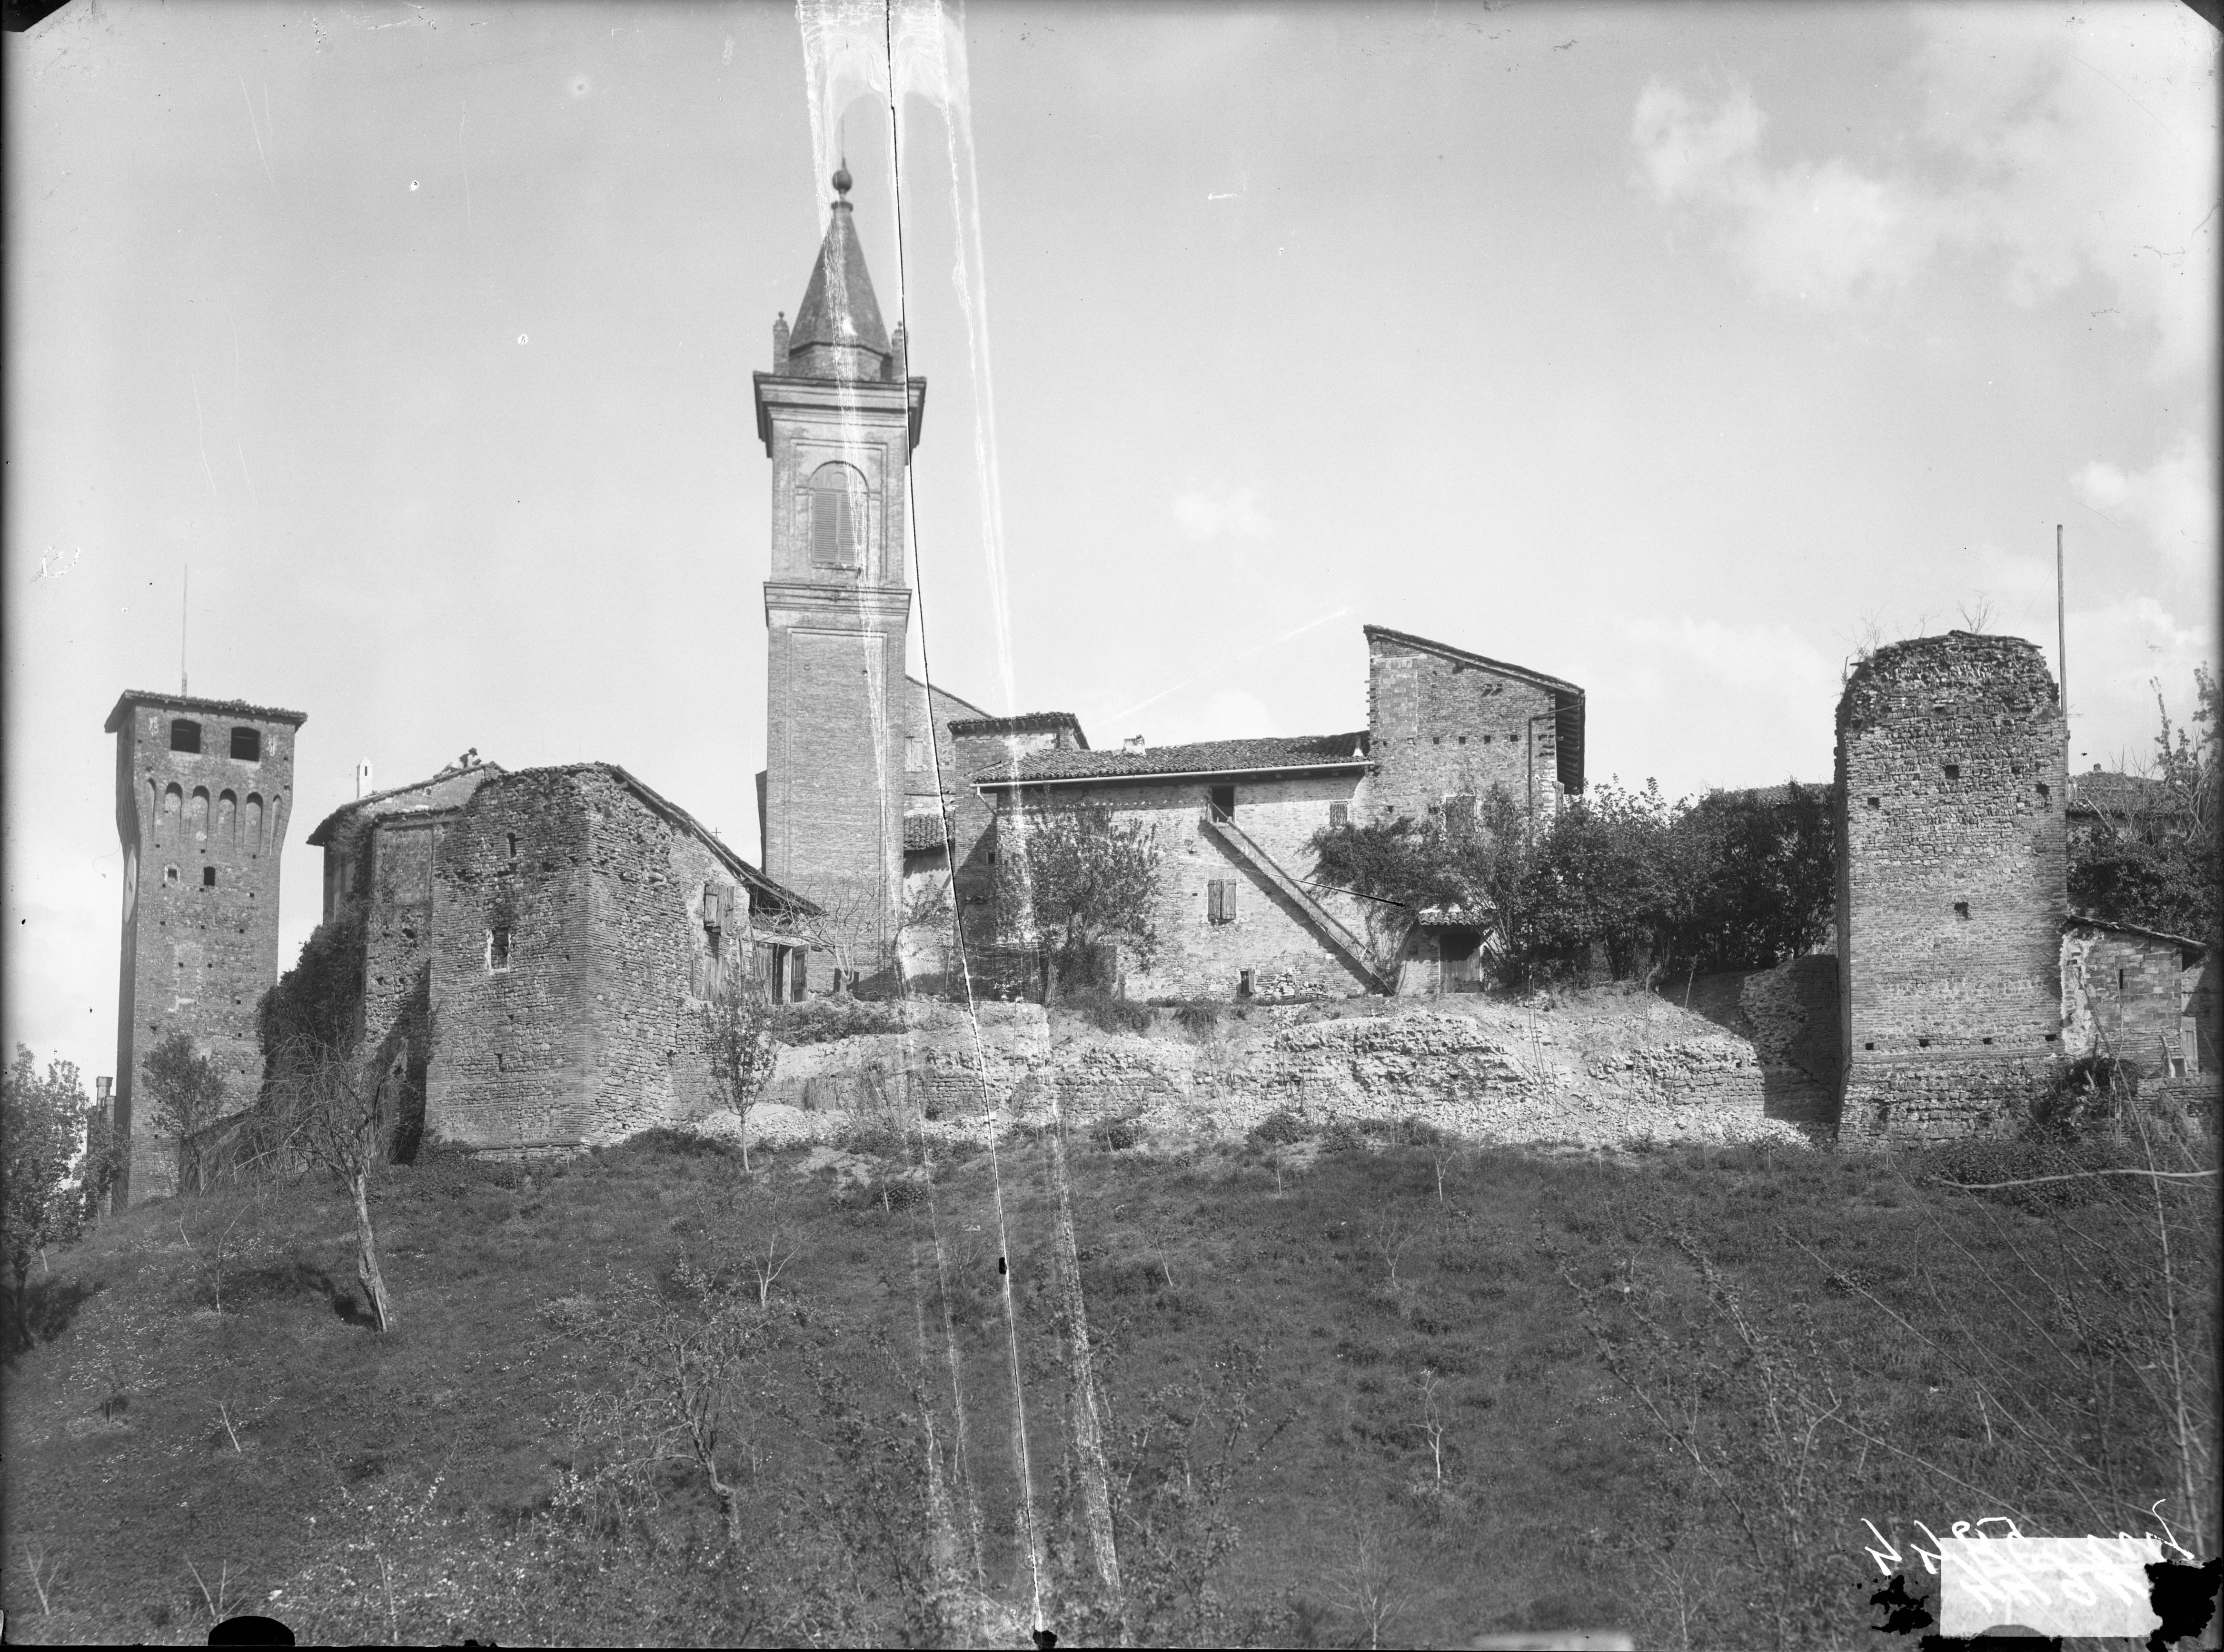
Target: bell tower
<point>839,418</point>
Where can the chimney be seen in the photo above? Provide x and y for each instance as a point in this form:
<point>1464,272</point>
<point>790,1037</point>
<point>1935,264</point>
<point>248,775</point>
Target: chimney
<point>1135,744</point>
<point>779,344</point>
<point>898,367</point>
<point>361,778</point>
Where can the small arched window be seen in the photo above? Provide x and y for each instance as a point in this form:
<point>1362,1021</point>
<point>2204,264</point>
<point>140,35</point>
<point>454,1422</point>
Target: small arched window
<point>201,811</point>
<point>250,828</point>
<point>174,803</point>
<point>227,816</point>
<point>838,501</point>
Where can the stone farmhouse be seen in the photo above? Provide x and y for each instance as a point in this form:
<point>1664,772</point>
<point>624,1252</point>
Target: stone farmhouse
<point>537,945</point>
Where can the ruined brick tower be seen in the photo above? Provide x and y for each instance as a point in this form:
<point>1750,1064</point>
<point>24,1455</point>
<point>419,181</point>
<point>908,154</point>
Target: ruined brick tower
<point>839,418</point>
<point>1953,875</point>
<point>202,792</point>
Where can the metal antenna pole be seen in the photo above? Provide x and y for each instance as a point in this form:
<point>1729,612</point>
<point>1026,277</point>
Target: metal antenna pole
<point>185,609</point>
<point>2061,632</point>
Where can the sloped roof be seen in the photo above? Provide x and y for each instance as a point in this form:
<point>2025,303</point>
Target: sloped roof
<point>2104,792</point>
<point>1284,753</point>
<point>923,832</point>
<point>1027,723</point>
<point>188,702</point>
<point>440,791</point>
<point>673,814</point>
<point>942,693</point>
<point>838,308</point>
<point>2083,920</point>
<point>1567,698</point>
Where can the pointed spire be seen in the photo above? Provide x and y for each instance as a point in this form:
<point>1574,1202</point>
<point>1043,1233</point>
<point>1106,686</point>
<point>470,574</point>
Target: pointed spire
<point>838,333</point>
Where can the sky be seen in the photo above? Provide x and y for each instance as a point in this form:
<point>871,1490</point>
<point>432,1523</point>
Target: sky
<point>1677,350</point>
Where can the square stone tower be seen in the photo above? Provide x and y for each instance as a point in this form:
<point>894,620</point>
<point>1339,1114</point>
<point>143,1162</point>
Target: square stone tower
<point>203,788</point>
<point>840,419</point>
<point>1952,881</point>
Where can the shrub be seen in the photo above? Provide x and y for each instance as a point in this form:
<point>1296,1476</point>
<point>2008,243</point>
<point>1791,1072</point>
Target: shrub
<point>823,1021</point>
<point>1106,1012</point>
<point>1279,1128</point>
<point>2084,1100</point>
<point>1200,1018</point>
<point>1113,1134</point>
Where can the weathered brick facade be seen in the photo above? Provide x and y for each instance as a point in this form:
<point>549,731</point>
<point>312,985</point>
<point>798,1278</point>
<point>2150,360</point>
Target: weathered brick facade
<point>203,789</point>
<point>840,419</point>
<point>573,942</point>
<point>1446,723</point>
<point>2131,993</point>
<point>1952,883</point>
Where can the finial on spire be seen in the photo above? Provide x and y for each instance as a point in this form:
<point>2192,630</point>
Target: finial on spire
<point>842,177</point>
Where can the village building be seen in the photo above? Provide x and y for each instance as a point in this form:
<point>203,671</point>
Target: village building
<point>203,789</point>
<point>1239,911</point>
<point>538,946</point>
<point>2140,995</point>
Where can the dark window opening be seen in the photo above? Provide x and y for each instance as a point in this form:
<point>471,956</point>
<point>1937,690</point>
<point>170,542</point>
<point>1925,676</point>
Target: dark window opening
<point>2050,1037</point>
<point>1223,802</point>
<point>1988,1041</point>
<point>1876,803</point>
<point>208,881</point>
<point>799,966</point>
<point>1868,1046</point>
<point>1462,739</point>
<point>247,745</point>
<point>498,948</point>
<point>1961,909</point>
<point>1953,770</point>
<point>513,846</point>
<point>169,874</point>
<point>1243,985</point>
<point>2045,796</point>
<point>2120,980</point>
<point>1339,814</point>
<point>184,736</point>
<point>1922,1044</point>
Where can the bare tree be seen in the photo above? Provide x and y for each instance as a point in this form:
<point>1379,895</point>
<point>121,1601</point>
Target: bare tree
<point>1977,615</point>
<point>337,1115</point>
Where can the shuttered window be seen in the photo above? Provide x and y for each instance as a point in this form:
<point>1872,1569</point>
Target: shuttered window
<point>838,510</point>
<point>1220,901</point>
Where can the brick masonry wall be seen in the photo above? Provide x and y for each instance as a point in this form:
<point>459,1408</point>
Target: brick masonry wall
<point>1197,958</point>
<point>594,1032</point>
<point>195,957</point>
<point>1953,877</point>
<point>837,700</point>
<point>2122,995</point>
<point>1440,726</point>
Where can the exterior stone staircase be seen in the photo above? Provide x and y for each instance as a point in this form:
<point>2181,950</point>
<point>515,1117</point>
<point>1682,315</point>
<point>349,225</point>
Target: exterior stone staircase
<point>1332,930</point>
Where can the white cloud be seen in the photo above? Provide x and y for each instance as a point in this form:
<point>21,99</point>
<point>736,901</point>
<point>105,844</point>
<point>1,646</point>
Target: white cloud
<point>2174,500</point>
<point>1774,657</point>
<point>1203,514</point>
<point>2059,147</point>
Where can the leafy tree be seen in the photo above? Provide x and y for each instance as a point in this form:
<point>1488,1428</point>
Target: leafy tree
<point>39,1121</point>
<point>1077,877</point>
<point>2157,865</point>
<point>1758,873</point>
<point>737,1038</point>
<point>185,1092</point>
<point>102,1162</point>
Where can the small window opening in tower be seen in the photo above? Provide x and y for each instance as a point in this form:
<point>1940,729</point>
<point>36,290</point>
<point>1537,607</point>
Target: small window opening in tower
<point>247,745</point>
<point>170,875</point>
<point>1961,909</point>
<point>1953,770</point>
<point>1876,803</point>
<point>208,877</point>
<point>2120,980</point>
<point>2045,796</point>
<point>838,514</point>
<point>184,736</point>
<point>513,846</point>
<point>498,948</point>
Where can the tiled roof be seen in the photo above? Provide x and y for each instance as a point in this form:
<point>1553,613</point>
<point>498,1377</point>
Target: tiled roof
<point>2103,792</point>
<point>925,832</point>
<point>1028,723</point>
<point>838,308</point>
<point>454,794</point>
<point>187,703</point>
<point>1298,751</point>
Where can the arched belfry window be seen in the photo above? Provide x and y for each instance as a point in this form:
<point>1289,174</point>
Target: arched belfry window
<point>838,501</point>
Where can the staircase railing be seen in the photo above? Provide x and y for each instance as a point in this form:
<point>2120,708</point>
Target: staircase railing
<point>1332,929</point>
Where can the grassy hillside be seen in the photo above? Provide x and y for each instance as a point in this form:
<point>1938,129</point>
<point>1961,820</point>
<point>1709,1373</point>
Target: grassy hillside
<point>1359,1390</point>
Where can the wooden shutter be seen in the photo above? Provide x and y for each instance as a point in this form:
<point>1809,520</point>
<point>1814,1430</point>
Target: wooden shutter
<point>1228,901</point>
<point>1212,901</point>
